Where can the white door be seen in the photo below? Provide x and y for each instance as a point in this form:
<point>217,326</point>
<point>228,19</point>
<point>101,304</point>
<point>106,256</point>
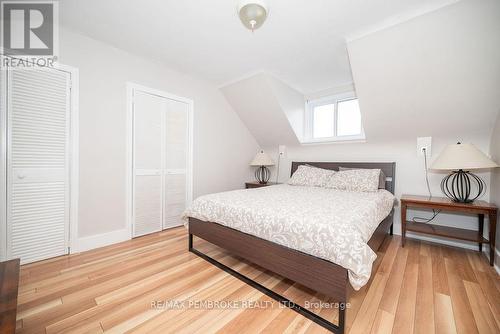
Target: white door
<point>148,112</point>
<point>176,142</point>
<point>38,123</point>
<point>160,132</point>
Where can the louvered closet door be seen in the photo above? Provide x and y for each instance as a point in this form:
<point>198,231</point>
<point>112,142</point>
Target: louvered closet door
<point>176,162</point>
<point>37,164</point>
<point>149,116</point>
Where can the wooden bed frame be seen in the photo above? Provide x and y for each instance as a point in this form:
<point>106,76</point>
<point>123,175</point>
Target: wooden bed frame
<point>315,273</point>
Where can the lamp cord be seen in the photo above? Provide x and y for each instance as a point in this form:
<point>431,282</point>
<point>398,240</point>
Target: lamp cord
<point>427,174</point>
<point>434,212</point>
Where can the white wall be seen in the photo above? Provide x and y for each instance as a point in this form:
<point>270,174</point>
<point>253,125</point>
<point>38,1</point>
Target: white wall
<point>223,146</point>
<point>495,179</point>
<point>292,103</point>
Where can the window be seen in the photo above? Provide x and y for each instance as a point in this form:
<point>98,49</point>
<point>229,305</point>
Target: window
<point>335,118</point>
<point>323,120</point>
<point>348,118</point>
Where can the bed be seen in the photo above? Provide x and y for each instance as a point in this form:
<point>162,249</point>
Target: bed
<point>260,225</point>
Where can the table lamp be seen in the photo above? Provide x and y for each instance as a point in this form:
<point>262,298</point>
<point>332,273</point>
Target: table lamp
<point>460,159</point>
<point>262,174</point>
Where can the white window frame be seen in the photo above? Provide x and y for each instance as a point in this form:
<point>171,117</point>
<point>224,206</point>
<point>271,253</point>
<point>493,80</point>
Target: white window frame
<point>309,120</point>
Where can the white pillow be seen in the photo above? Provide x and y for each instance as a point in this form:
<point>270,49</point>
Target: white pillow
<point>381,180</point>
<point>310,176</point>
<point>363,180</point>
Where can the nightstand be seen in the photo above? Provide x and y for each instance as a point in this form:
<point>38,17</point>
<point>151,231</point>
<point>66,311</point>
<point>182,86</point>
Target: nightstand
<point>255,184</point>
<point>480,208</point>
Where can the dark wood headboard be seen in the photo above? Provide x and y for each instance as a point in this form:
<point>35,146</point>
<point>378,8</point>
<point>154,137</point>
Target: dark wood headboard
<point>389,168</point>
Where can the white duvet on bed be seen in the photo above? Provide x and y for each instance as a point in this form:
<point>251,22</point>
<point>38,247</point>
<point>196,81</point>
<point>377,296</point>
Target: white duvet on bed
<point>330,224</point>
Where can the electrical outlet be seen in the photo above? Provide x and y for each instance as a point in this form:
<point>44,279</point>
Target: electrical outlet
<point>424,142</point>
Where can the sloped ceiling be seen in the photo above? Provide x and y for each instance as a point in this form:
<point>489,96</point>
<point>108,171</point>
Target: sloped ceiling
<point>269,108</point>
<point>438,74</point>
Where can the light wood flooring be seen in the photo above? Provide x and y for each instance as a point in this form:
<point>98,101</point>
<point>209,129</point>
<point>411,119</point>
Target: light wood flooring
<point>421,288</point>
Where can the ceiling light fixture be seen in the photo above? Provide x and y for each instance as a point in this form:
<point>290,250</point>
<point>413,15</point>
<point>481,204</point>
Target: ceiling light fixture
<point>252,13</point>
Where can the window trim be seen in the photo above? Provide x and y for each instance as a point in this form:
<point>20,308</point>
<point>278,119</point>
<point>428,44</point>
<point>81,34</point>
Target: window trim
<point>309,120</point>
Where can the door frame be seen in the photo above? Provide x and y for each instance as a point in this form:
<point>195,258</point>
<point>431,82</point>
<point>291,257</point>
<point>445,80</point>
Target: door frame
<point>131,88</point>
<point>73,158</point>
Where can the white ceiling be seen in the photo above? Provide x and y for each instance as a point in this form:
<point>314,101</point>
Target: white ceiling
<point>302,42</point>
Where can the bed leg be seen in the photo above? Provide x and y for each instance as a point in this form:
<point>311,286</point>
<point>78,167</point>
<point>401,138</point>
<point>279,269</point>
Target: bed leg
<point>391,230</point>
<point>190,242</point>
<point>342,309</point>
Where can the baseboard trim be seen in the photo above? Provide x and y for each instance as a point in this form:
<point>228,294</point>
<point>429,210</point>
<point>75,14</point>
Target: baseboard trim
<point>454,243</point>
<point>443,241</point>
<point>100,240</point>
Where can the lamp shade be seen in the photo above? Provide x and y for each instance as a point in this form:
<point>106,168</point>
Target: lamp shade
<point>462,156</point>
<point>262,159</point>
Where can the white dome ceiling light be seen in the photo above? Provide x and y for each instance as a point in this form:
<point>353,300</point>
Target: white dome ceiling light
<point>252,13</point>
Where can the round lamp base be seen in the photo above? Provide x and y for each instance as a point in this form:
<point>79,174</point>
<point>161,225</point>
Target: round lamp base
<point>262,174</point>
<point>459,186</point>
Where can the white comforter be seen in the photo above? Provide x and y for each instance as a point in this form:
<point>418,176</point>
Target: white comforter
<point>330,224</point>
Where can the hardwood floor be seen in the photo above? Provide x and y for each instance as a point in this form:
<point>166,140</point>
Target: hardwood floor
<point>421,288</point>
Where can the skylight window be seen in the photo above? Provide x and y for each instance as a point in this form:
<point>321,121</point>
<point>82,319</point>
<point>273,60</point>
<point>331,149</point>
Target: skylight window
<point>335,118</point>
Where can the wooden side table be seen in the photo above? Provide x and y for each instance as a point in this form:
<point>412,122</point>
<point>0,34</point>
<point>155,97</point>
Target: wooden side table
<point>481,208</point>
<point>9,282</point>
<point>255,184</point>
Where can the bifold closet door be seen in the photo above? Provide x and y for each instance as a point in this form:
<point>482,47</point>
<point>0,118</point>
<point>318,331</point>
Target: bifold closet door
<point>160,162</point>
<point>38,120</point>
<point>176,162</point>
<point>149,113</point>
